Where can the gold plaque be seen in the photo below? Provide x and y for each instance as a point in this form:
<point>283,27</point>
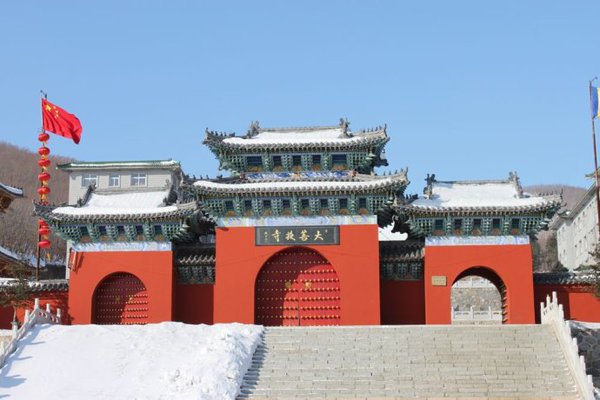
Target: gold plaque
<point>439,280</point>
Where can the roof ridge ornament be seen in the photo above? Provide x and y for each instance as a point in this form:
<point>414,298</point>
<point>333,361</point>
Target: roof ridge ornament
<point>428,191</point>
<point>86,197</point>
<point>514,178</point>
<point>344,124</point>
<point>254,129</point>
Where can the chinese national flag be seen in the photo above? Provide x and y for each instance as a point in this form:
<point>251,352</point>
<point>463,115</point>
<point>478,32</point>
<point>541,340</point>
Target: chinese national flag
<point>57,120</point>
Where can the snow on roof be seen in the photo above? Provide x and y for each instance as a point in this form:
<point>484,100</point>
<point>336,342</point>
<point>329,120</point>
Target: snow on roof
<point>12,190</point>
<point>476,194</point>
<point>386,234</point>
<point>303,185</point>
<point>123,203</point>
<point>169,360</point>
<point>301,136</point>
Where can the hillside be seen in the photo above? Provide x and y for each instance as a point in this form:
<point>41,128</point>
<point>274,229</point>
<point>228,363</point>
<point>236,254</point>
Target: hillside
<point>18,227</point>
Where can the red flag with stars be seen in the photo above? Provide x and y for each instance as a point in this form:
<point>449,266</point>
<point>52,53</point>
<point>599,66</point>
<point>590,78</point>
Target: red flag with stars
<point>60,122</point>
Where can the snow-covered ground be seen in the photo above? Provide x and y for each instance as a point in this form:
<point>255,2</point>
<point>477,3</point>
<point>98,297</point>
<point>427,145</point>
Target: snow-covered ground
<point>169,360</point>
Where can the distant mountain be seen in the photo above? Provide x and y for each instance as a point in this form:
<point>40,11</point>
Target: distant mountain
<point>545,255</point>
<point>18,226</point>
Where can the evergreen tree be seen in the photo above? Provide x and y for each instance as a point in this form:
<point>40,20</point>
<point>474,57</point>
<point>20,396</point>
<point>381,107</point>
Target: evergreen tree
<point>15,292</point>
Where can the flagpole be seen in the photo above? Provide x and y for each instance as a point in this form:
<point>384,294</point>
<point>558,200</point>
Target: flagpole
<point>595,156</point>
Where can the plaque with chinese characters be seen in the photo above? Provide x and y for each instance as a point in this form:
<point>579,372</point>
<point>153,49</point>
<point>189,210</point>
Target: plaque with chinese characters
<point>300,235</point>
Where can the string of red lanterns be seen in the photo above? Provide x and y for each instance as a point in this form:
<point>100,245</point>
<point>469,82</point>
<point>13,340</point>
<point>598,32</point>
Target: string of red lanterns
<point>44,189</point>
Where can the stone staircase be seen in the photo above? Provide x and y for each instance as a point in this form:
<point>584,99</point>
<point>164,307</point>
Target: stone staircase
<point>523,361</point>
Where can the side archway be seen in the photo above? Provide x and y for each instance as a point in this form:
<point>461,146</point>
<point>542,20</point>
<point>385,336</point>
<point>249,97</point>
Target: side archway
<point>488,277</point>
<point>120,299</point>
<point>297,287</point>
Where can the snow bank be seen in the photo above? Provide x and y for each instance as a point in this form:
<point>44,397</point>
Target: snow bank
<point>170,360</point>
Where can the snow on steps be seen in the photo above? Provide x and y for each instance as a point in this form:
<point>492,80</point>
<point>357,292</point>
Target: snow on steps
<point>169,360</point>
<point>408,362</point>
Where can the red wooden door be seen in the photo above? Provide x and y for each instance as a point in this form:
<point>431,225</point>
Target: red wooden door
<point>297,287</point>
<point>121,299</point>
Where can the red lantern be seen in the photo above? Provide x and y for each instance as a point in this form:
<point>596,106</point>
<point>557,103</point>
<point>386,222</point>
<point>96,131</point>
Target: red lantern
<point>44,230</point>
<point>44,190</point>
<point>43,137</point>
<point>44,244</point>
<point>44,176</point>
<point>43,151</point>
<point>41,223</point>
<point>43,162</point>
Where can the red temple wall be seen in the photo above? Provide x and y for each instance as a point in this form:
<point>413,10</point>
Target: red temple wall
<point>194,304</point>
<point>402,302</point>
<point>355,260</point>
<point>511,263</point>
<point>153,268</point>
<point>578,301</point>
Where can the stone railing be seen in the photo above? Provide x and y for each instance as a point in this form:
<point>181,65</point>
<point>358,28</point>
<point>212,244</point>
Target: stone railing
<point>472,315</point>
<point>32,318</point>
<point>553,314</point>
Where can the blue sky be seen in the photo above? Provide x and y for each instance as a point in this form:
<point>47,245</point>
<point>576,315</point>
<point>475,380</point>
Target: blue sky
<point>468,89</point>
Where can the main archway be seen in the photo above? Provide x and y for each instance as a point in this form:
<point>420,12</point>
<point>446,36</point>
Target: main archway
<point>297,287</point>
<point>120,299</point>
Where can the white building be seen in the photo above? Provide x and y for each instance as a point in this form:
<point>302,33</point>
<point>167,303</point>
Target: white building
<point>577,232</point>
<point>121,176</point>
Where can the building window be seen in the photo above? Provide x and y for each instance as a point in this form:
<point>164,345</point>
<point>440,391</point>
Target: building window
<point>286,207</point>
<point>84,231</point>
<point>247,205</point>
<point>338,160</point>
<point>495,223</point>
<point>254,163</point>
<point>316,160</point>
<point>304,207</point>
<point>343,204</point>
<point>277,161</point>
<point>114,180</point>
<point>438,225</point>
<point>89,179</point>
<point>362,202</point>
<point>139,230</point>
<point>458,225</point>
<point>120,230</point>
<point>138,179</point>
<point>228,205</point>
<point>515,223</point>
<point>158,230</point>
<point>266,204</point>
<point>102,230</point>
<point>296,161</point>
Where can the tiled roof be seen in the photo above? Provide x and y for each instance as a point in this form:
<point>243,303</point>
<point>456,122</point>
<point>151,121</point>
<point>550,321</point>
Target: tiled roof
<point>117,207</point>
<point>61,285</point>
<point>334,137</point>
<point>361,183</point>
<point>195,255</point>
<point>409,250</point>
<point>10,190</point>
<point>479,196</point>
<point>562,278</point>
<point>148,164</point>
